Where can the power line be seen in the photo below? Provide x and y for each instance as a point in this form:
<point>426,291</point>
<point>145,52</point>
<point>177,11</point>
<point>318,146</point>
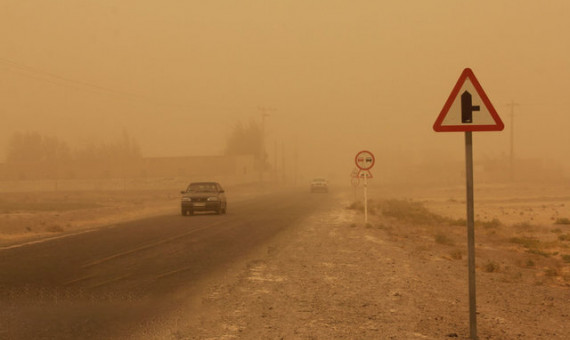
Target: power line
<point>66,80</point>
<point>56,79</point>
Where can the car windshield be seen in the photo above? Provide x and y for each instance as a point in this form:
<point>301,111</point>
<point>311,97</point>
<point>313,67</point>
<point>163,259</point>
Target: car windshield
<point>202,187</point>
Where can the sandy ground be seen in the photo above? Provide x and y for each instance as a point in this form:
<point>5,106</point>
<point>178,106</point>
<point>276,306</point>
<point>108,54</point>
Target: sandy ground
<point>31,216</point>
<point>333,277</point>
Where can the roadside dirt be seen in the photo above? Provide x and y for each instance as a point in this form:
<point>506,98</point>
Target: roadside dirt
<point>36,216</point>
<point>332,277</point>
<point>32,216</point>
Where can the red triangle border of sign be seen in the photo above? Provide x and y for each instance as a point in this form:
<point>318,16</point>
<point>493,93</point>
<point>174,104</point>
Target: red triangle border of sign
<point>365,173</point>
<point>468,73</point>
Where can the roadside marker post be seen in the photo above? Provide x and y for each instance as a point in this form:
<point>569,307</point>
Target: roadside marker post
<point>365,161</point>
<point>466,110</point>
<point>365,199</point>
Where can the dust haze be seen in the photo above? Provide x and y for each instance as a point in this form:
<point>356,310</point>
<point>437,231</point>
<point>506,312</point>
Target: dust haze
<point>108,109</point>
<point>330,77</point>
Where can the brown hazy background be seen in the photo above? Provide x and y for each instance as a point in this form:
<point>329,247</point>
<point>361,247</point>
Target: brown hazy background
<point>337,76</point>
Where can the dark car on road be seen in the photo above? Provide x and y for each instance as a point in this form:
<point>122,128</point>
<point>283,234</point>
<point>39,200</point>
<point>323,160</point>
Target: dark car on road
<point>203,196</point>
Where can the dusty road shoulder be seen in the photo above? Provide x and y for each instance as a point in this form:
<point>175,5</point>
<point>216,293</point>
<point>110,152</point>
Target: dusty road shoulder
<point>328,278</point>
<point>332,277</point>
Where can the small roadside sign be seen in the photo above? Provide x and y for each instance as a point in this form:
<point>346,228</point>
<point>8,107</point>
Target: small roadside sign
<point>364,160</point>
<point>365,174</point>
<point>468,108</point>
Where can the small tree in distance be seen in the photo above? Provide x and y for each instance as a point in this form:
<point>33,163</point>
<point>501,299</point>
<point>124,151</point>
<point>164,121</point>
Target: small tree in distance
<point>246,140</point>
<point>31,147</point>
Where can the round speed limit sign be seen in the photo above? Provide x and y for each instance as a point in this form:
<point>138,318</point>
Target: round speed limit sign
<point>364,160</point>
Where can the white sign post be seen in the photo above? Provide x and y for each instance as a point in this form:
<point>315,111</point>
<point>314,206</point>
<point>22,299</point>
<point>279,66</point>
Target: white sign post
<point>365,161</point>
<point>466,110</point>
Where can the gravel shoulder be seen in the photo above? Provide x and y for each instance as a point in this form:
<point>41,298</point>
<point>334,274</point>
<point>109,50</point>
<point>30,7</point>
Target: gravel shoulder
<point>332,277</point>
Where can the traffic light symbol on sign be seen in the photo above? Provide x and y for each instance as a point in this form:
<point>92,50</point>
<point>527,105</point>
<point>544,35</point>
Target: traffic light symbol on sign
<point>467,108</point>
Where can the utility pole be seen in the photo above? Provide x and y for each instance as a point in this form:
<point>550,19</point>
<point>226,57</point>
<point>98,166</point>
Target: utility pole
<point>512,105</point>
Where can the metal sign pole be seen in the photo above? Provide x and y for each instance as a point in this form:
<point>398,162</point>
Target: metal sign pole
<point>470,235</point>
<point>365,161</point>
<point>365,198</point>
<point>458,115</point>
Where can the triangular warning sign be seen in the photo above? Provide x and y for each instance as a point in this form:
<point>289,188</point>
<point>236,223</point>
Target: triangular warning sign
<point>468,108</point>
<point>365,173</point>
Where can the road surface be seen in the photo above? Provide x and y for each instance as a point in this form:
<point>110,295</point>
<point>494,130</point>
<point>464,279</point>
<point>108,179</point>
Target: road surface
<point>104,284</point>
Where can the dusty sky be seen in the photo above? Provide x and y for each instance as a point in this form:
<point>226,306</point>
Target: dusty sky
<point>340,76</point>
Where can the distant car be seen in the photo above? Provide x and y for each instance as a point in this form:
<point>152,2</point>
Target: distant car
<point>203,196</point>
<point>319,185</point>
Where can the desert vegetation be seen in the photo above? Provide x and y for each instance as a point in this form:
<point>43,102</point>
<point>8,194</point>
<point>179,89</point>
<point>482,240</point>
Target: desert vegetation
<point>502,246</point>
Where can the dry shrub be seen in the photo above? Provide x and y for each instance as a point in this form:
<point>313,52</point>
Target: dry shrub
<point>491,267</point>
<point>411,211</point>
<point>415,212</point>
<point>441,238</point>
<point>356,205</point>
<point>552,272</point>
<point>459,222</point>
<point>359,206</point>
<point>515,276</point>
<point>456,254</point>
<point>523,226</point>
<point>492,224</point>
<point>539,252</point>
<point>562,220</point>
<point>527,242</point>
<point>54,228</point>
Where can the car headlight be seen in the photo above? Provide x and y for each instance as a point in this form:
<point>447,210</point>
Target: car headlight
<point>213,198</point>
<point>186,199</point>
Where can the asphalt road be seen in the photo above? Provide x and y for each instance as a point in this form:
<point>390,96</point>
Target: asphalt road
<point>104,284</point>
